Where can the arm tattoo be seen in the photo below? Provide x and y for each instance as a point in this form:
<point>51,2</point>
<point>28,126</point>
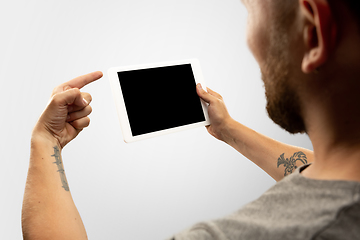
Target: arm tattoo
<point>60,166</point>
<point>290,164</point>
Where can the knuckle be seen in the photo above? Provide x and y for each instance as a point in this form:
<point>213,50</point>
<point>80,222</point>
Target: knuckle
<point>55,99</point>
<point>76,124</point>
<point>87,96</point>
<point>76,91</point>
<point>55,90</point>
<point>218,101</point>
<point>66,87</point>
<point>87,122</point>
<point>81,123</point>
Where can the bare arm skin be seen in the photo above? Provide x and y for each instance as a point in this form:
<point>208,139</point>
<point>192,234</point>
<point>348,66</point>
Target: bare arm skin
<point>48,209</point>
<point>275,158</point>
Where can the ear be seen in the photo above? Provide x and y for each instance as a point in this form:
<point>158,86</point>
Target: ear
<point>319,33</point>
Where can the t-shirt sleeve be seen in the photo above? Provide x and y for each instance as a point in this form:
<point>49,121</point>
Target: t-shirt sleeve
<point>201,231</point>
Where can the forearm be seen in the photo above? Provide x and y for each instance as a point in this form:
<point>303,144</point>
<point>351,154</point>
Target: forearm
<point>275,158</point>
<point>48,208</point>
<point>264,151</point>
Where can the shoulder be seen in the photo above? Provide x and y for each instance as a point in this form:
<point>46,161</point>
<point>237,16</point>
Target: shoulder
<point>345,226</point>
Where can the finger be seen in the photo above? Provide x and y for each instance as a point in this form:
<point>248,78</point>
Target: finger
<point>86,96</point>
<point>78,82</point>
<point>81,123</point>
<point>74,108</point>
<point>82,81</point>
<point>70,97</point>
<point>203,94</point>
<point>214,93</point>
<point>79,114</point>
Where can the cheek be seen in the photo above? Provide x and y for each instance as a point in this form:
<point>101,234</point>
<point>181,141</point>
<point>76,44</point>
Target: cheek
<point>251,39</point>
<point>257,40</point>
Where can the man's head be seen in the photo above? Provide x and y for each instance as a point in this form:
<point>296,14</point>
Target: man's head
<point>353,6</point>
<point>293,40</point>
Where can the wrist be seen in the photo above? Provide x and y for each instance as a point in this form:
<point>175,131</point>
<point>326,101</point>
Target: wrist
<point>43,137</point>
<point>226,131</point>
<point>222,131</point>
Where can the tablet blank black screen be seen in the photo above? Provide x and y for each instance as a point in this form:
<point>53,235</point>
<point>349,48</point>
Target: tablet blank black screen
<point>160,98</point>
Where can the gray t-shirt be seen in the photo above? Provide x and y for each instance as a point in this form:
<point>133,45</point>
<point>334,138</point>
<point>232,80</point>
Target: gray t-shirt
<point>294,208</point>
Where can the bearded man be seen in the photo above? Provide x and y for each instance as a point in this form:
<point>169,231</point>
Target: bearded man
<point>309,54</point>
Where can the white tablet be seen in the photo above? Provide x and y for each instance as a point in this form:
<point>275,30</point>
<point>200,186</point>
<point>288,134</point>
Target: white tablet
<point>156,99</point>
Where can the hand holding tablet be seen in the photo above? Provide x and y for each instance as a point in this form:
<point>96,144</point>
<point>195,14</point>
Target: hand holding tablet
<point>157,99</point>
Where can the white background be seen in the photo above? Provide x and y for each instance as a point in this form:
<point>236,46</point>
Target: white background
<point>149,189</point>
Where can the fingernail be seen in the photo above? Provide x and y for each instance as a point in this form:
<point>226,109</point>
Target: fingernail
<point>199,86</point>
<point>67,88</point>
<point>68,117</point>
<point>85,102</point>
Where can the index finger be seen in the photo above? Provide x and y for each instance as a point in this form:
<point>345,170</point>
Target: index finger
<point>81,81</point>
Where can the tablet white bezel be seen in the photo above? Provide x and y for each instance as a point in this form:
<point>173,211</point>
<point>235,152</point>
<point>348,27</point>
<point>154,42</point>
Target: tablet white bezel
<point>120,104</point>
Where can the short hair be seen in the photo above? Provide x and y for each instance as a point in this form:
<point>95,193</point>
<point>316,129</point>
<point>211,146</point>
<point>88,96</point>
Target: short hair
<point>354,7</point>
<point>286,10</point>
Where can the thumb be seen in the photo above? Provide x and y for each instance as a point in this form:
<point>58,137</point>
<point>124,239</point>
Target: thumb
<point>73,97</point>
<point>203,94</point>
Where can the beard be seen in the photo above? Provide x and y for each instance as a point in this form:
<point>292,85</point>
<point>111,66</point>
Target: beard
<point>283,104</point>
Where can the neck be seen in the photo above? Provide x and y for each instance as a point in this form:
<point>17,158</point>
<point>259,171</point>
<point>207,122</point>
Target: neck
<point>333,124</point>
<point>331,107</point>
<point>338,163</point>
